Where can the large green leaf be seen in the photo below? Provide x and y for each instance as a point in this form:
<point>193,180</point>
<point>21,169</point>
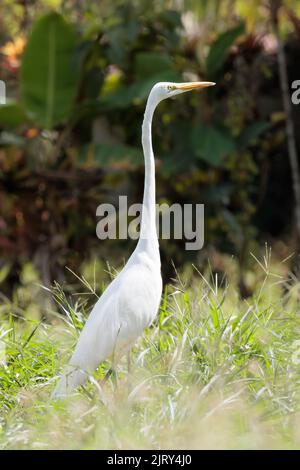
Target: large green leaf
<point>12,115</point>
<point>212,144</point>
<point>149,64</point>
<point>181,157</point>
<point>171,18</point>
<point>252,132</point>
<point>48,73</point>
<point>219,49</point>
<point>124,35</point>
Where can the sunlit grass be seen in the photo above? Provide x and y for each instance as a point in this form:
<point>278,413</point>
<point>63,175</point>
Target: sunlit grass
<point>214,371</point>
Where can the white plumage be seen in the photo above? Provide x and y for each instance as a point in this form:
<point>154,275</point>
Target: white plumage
<point>130,302</point>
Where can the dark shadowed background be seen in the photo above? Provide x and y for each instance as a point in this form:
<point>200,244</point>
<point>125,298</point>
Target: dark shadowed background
<point>77,76</point>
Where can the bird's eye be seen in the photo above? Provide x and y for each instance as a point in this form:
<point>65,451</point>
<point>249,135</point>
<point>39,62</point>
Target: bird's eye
<point>170,87</point>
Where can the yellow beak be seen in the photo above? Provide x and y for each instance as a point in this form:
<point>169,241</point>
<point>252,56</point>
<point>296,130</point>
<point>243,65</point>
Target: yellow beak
<point>193,85</point>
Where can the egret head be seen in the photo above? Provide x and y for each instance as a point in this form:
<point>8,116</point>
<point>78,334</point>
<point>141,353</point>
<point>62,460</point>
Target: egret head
<point>163,90</point>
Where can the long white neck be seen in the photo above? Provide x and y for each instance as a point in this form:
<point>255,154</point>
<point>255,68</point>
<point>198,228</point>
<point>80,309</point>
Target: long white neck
<point>148,236</point>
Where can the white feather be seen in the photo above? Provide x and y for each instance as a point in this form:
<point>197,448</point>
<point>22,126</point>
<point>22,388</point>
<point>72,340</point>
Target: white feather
<point>131,301</point>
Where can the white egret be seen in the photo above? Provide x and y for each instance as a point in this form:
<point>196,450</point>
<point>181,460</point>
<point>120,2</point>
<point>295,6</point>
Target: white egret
<point>130,302</point>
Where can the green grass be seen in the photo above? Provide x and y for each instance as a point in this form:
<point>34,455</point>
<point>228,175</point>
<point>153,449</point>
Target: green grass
<point>214,371</point>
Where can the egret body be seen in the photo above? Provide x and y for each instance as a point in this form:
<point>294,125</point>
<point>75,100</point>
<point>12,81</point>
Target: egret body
<point>130,303</point>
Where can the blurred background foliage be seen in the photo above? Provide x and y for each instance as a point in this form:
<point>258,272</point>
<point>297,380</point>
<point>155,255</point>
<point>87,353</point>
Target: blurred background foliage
<point>77,76</point>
